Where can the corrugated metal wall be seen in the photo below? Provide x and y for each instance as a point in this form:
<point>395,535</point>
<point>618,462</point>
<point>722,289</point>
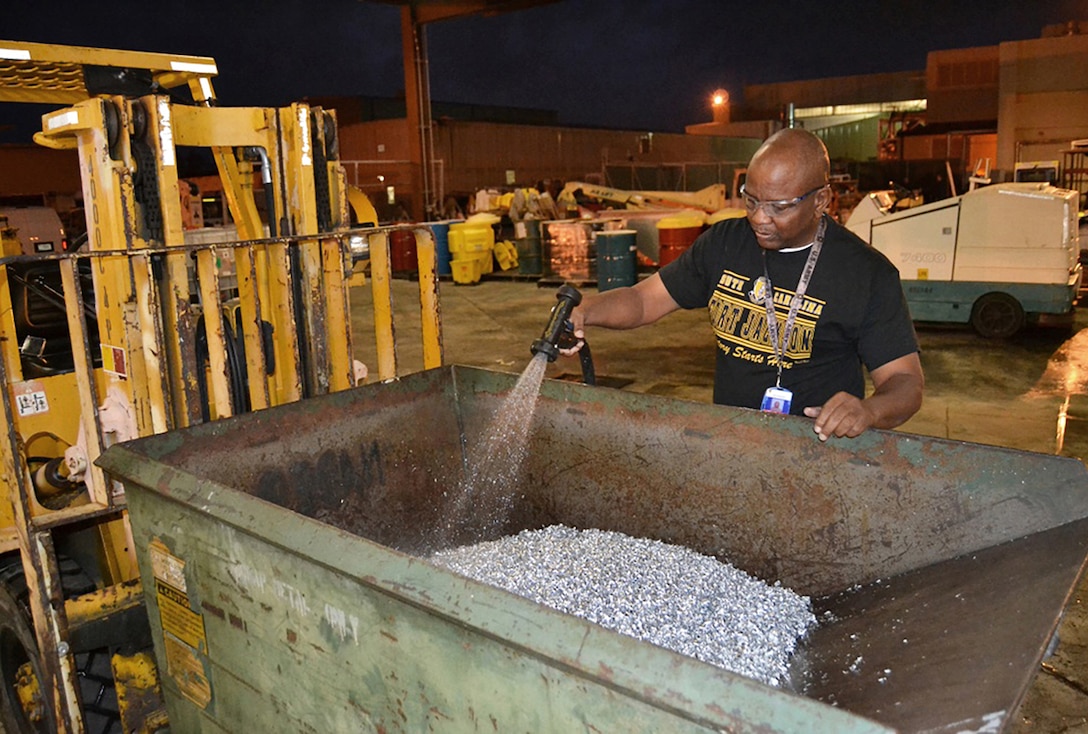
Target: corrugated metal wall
<point>476,155</point>
<point>33,170</point>
<point>480,154</point>
<point>379,140</point>
<point>853,141</point>
<point>375,156</point>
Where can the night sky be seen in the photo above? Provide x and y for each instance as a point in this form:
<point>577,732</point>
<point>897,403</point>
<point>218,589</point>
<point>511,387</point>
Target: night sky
<point>615,63</point>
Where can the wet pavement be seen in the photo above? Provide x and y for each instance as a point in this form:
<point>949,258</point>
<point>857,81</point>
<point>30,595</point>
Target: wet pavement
<point>1028,393</point>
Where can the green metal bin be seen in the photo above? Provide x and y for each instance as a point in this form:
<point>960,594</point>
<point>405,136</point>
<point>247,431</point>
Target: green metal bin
<point>283,552</point>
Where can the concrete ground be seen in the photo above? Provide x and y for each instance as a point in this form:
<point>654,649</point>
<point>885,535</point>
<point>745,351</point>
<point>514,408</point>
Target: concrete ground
<point>1029,393</point>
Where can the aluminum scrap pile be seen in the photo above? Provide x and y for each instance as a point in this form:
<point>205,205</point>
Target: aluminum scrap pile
<point>664,594</point>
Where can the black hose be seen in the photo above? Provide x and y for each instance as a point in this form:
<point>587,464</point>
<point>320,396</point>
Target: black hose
<point>236,367</point>
<point>269,193</point>
<point>201,349</point>
<point>301,322</point>
<point>589,374</point>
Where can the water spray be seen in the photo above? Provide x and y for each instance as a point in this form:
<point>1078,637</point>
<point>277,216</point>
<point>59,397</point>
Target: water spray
<point>559,333</point>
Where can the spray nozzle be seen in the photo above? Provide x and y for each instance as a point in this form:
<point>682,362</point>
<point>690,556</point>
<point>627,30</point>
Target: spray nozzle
<point>558,326</point>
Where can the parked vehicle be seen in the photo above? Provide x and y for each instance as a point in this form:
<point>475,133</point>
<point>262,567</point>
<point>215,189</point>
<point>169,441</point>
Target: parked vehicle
<point>995,257</point>
<point>38,228</point>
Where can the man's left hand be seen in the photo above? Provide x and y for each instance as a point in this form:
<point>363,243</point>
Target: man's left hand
<point>843,415</point>
<point>897,395</point>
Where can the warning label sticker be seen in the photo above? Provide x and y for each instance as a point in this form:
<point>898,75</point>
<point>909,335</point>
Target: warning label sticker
<point>167,567</point>
<point>187,670</point>
<point>113,360</point>
<point>30,398</point>
<point>184,638</point>
<point>178,619</point>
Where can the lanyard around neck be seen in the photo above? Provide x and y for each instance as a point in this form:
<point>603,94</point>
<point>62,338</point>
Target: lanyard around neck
<point>795,302</point>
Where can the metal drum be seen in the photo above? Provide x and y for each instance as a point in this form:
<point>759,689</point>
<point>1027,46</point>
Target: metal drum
<point>402,251</point>
<point>676,235</point>
<point>617,264</point>
<point>527,239</point>
<point>441,232</point>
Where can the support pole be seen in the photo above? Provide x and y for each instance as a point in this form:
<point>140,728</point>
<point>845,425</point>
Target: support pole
<point>417,97</point>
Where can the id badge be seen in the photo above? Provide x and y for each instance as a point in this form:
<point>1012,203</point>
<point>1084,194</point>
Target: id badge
<point>776,400</point>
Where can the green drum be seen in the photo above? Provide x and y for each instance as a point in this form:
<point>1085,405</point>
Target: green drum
<point>617,265</point>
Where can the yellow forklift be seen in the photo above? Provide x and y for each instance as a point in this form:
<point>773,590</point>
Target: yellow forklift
<point>140,332</point>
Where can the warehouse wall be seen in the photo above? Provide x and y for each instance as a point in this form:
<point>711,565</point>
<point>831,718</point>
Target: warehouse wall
<point>1043,98</point>
<point>375,156</point>
<point>476,155</point>
<point>479,154</point>
<point>853,141</point>
<point>961,85</point>
<point>31,170</point>
<point>765,101</point>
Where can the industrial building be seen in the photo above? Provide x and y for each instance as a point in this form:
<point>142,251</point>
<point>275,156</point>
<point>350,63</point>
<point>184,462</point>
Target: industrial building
<point>1021,103</point>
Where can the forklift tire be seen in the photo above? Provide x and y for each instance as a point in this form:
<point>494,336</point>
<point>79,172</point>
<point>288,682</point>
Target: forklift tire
<point>997,316</point>
<point>19,645</point>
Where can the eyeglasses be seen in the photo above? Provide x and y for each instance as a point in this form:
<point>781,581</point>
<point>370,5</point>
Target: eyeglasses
<point>778,208</point>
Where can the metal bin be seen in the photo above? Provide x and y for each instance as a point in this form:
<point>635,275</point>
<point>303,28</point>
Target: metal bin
<point>283,559</point>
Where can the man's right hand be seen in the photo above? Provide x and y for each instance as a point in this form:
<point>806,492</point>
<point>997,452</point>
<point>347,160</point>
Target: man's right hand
<point>577,322</point>
<point>621,308</point>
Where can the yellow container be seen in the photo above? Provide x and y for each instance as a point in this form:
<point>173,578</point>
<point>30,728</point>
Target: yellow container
<point>685,220</point>
<point>483,218</point>
<point>470,238</point>
<point>722,214</point>
<point>466,270</point>
<point>507,254</point>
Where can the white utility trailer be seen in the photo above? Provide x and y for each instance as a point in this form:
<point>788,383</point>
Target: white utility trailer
<point>993,257</point>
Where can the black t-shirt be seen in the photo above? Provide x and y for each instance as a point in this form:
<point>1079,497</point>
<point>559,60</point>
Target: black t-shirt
<point>854,312</point>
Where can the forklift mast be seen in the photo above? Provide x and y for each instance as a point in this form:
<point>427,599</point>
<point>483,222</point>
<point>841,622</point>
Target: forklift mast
<point>159,338</point>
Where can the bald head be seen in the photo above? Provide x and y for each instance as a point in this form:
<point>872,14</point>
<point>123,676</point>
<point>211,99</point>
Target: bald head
<point>791,168</point>
<point>799,152</point>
